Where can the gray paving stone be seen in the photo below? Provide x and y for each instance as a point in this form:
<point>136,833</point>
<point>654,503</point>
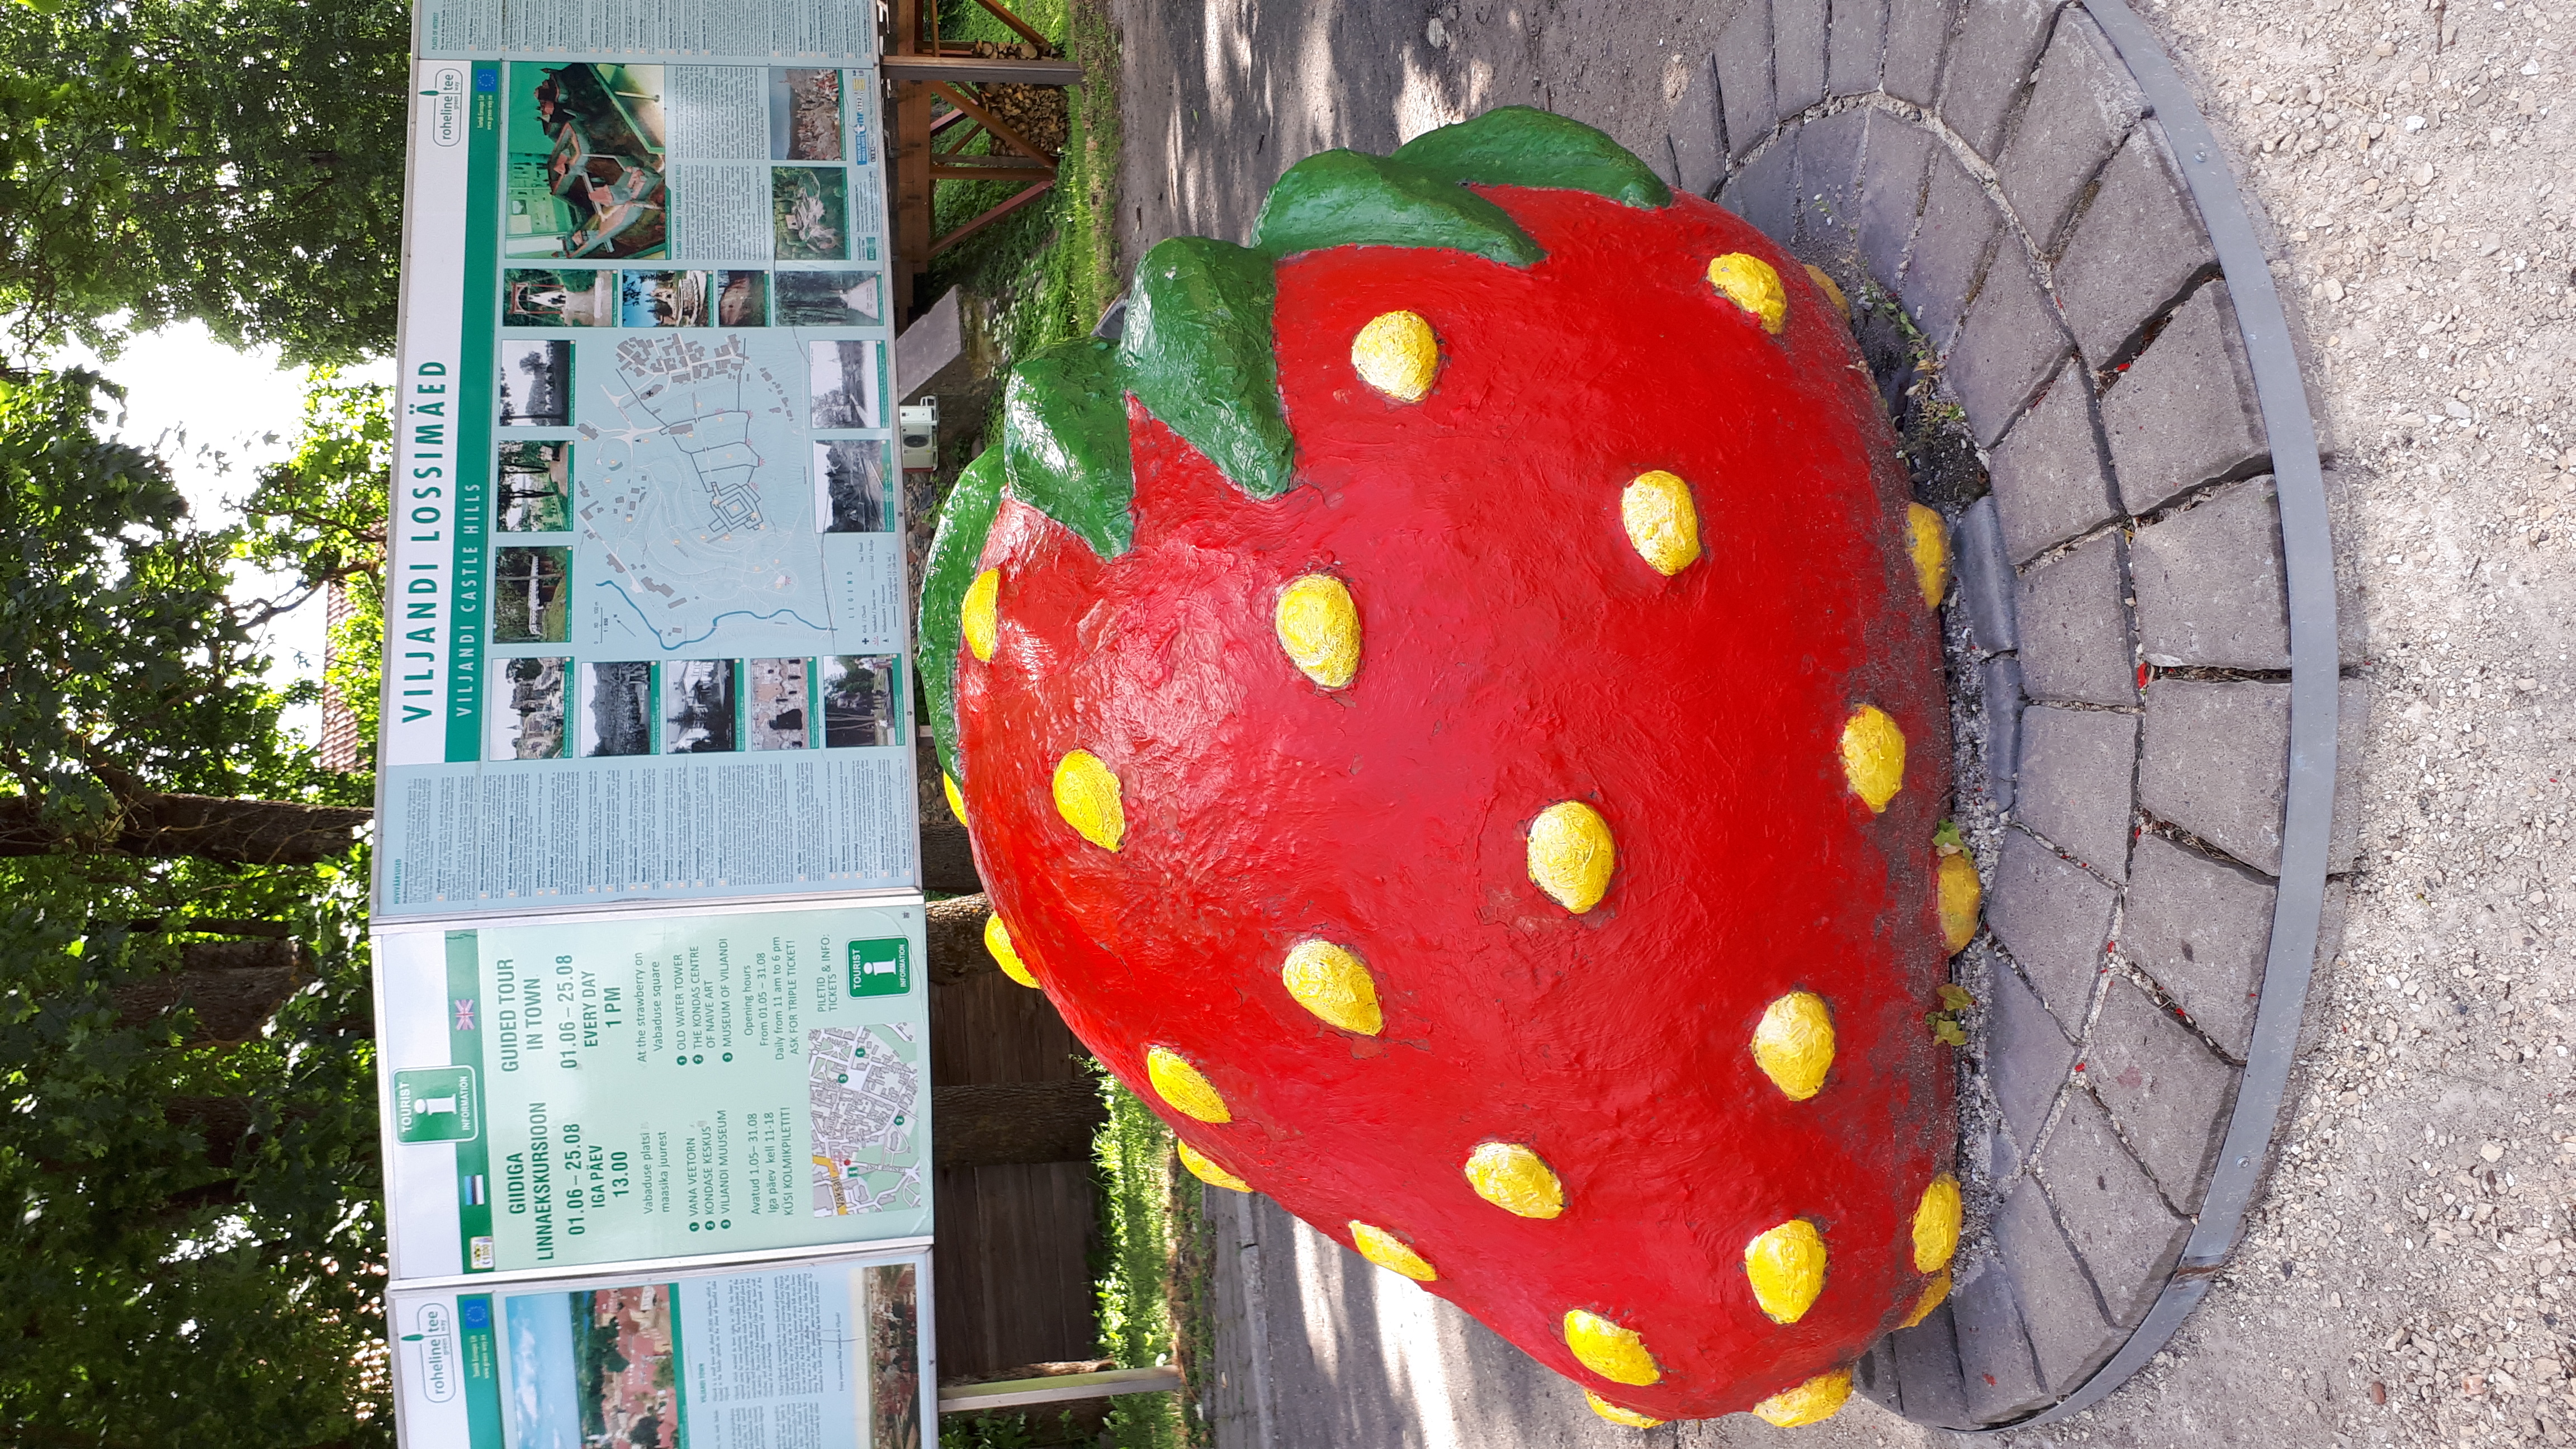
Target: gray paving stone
<point>1991,57</point>
<point>2164,1087</point>
<point>2216,763</point>
<point>2027,1056</point>
<point>1996,1365</point>
<point>1891,192</point>
<point>2112,1211</point>
<point>1743,61</point>
<point>1699,141</point>
<point>2049,478</point>
<point>2081,105</point>
<point>1765,192</point>
<point>1987,585</point>
<point>1854,40</point>
<point>1927,1371</point>
<point>1798,54</point>
<point>2200,927</point>
<point>2073,787</point>
<point>2210,585</point>
<point>2068,1331</point>
<point>2053,918</point>
<point>2138,245</point>
<point>2075,626</point>
<point>1828,165</point>
<point>1950,245</point>
<point>2008,346</point>
<point>2184,413</point>
<point>2002,681</point>
<point>1918,33</point>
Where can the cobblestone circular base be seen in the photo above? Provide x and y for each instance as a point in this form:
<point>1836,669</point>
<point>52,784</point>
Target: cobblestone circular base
<point>1995,168</point>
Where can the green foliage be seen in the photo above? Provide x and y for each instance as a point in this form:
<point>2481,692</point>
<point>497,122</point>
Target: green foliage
<point>195,1245</point>
<point>1002,1431</point>
<point>237,161</point>
<point>1148,1213</point>
<point>196,1242</point>
<point>120,658</point>
<point>319,517</point>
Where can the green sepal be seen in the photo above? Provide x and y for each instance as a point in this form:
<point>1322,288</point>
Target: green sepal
<point>964,522</point>
<point>1198,351</point>
<point>1345,198</point>
<point>1524,146</point>
<point>1064,442</point>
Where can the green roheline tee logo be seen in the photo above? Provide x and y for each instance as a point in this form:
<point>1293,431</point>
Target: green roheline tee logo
<point>436,1104</point>
<point>881,968</point>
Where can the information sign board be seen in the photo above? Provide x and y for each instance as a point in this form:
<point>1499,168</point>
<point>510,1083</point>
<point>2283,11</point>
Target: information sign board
<point>829,1353</point>
<point>561,1093</point>
<point>645,609</point>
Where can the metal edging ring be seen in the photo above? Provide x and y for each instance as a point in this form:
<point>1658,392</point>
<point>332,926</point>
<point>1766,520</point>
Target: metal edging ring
<point>2307,558</point>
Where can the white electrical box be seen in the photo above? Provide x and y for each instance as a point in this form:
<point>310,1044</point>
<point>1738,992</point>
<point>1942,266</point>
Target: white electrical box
<point>919,425</point>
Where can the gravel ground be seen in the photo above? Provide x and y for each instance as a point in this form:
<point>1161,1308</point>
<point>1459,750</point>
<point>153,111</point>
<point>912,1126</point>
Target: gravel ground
<point>2406,1279</point>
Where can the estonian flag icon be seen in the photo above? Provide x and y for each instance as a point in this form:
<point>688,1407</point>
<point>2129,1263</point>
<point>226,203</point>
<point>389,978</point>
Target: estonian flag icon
<point>474,1190</point>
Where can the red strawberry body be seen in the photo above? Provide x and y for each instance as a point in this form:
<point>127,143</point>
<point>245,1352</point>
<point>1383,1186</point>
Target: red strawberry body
<point>1516,652</point>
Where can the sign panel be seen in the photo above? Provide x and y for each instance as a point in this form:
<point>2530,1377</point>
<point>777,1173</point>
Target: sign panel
<point>645,615</point>
<point>567,1094</point>
<point>825,1354</point>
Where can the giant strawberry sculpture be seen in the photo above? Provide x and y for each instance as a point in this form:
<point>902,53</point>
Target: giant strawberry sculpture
<point>1449,708</point>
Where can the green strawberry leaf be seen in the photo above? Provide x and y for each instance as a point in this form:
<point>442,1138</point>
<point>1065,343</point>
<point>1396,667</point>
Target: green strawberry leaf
<point>1345,198</point>
<point>1524,146</point>
<point>964,521</point>
<point>1198,353</point>
<point>1064,442</point>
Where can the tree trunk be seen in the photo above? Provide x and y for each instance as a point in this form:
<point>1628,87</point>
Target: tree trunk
<point>992,1123</point>
<point>956,932</point>
<point>235,987</point>
<point>235,832</point>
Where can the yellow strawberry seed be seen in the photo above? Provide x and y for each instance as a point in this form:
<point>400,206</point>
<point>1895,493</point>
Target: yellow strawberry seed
<point>997,939</point>
<point>1319,628</point>
<point>1958,894</point>
<point>1929,1299</point>
<point>1936,1225</point>
<point>980,614</point>
<point>1571,854</point>
<point>1624,1418</point>
<point>1752,284</point>
<point>1183,1087</point>
<point>1398,354</point>
<point>1206,1170</point>
<point>1786,1266</point>
<point>956,800</point>
<point>1833,291</point>
<point>1334,984</point>
<point>1515,1179</point>
<point>1087,796</point>
<point>1661,520</point>
<point>1813,1402</point>
<point>1794,1044</point>
<point>1873,756</point>
<point>1929,540</point>
<point>1390,1252</point>
<point>1616,1353</point>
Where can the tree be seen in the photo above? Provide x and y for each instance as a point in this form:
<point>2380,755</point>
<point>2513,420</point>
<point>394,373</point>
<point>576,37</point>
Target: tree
<point>188,1149</point>
<point>133,715</point>
<point>237,162</point>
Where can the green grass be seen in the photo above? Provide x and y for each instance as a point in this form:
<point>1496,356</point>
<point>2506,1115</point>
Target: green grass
<point>1153,1271</point>
<point>1050,268</point>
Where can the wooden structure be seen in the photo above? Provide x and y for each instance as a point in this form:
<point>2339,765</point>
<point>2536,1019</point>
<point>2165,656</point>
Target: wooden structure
<point>1013,1275</point>
<point>938,108</point>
